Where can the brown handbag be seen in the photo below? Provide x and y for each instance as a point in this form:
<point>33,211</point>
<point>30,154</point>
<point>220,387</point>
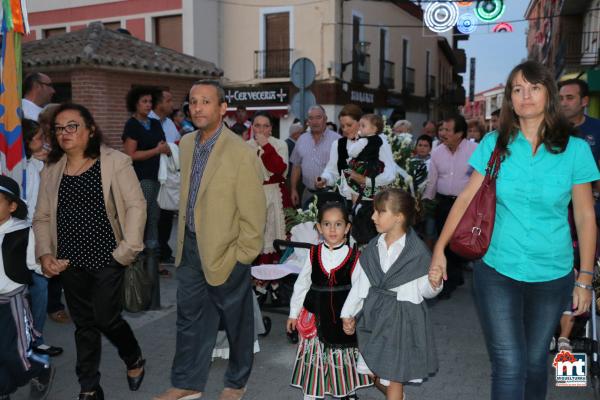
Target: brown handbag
<point>472,236</point>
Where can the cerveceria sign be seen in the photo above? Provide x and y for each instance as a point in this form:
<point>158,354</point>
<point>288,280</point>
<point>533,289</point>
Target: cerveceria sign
<point>257,95</point>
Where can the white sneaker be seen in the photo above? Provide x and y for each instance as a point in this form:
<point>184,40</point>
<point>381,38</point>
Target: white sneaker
<point>553,344</point>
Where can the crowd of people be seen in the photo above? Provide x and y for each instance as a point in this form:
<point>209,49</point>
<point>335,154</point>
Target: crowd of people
<point>86,211</point>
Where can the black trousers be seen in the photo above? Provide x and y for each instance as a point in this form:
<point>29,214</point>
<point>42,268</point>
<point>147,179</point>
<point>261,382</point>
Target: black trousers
<point>95,303</point>
<point>201,308</point>
<point>54,295</point>
<point>12,372</point>
<point>455,262</point>
<point>165,225</point>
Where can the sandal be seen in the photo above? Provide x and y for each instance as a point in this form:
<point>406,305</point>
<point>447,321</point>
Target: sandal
<point>60,316</point>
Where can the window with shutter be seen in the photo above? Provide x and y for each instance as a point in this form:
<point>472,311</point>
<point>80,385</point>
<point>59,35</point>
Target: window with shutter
<point>54,31</point>
<point>277,45</point>
<point>168,32</point>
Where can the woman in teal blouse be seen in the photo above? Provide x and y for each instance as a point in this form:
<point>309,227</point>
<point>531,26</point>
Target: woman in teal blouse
<point>526,278</point>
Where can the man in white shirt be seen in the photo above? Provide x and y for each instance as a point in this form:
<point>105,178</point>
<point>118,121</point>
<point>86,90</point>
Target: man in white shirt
<point>162,107</point>
<point>37,92</point>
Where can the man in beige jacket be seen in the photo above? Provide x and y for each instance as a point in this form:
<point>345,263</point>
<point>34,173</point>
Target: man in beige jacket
<point>221,223</point>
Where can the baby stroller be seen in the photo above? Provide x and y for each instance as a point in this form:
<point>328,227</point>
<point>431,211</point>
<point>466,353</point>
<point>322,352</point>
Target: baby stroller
<point>275,282</point>
<point>588,342</point>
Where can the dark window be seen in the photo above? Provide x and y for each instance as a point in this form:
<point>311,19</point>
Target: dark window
<point>113,26</point>
<point>54,31</point>
<point>168,32</point>
<point>277,45</point>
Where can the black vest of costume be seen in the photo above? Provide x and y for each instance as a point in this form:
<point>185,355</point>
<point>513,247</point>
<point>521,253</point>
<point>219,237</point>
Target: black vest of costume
<point>342,162</point>
<point>327,295</point>
<point>14,255</point>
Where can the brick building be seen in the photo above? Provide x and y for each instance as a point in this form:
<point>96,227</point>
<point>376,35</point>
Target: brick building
<point>96,67</point>
<point>484,104</point>
<point>565,36</point>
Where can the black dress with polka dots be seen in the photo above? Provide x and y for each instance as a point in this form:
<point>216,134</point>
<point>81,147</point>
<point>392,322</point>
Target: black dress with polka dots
<point>85,236</point>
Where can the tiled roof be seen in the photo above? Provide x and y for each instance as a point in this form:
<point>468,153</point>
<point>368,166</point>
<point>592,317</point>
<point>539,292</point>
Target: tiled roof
<point>100,47</point>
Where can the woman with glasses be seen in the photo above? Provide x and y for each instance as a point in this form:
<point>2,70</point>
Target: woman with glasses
<point>87,231</point>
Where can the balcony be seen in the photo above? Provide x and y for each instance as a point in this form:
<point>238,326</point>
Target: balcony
<point>387,74</point>
<point>272,63</point>
<point>408,80</point>
<point>431,86</point>
<point>580,48</point>
<point>361,68</point>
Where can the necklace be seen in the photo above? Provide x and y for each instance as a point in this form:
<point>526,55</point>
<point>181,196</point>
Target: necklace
<point>76,173</point>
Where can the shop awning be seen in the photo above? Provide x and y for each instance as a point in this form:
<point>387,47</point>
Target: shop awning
<point>275,111</point>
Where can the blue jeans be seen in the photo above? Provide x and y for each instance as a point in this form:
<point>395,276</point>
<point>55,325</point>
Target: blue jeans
<point>39,302</point>
<point>518,321</point>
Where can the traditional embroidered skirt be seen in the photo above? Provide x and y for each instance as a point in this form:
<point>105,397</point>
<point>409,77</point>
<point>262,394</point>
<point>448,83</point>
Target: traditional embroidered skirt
<point>321,370</point>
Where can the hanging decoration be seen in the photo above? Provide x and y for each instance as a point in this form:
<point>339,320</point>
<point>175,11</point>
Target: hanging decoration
<point>503,27</point>
<point>489,10</point>
<point>467,23</point>
<point>12,152</point>
<point>441,16</point>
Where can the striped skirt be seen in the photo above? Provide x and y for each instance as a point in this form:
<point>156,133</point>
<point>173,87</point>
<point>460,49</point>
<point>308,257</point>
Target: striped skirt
<point>320,370</point>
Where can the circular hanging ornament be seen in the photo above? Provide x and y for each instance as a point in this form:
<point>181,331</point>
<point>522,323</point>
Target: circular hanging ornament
<point>441,16</point>
<point>503,27</point>
<point>489,10</point>
<point>467,23</point>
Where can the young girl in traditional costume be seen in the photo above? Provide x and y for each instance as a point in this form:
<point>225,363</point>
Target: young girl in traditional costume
<point>386,304</point>
<point>326,357</point>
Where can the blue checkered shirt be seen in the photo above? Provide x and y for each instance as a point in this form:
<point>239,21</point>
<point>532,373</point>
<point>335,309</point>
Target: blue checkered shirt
<point>199,161</point>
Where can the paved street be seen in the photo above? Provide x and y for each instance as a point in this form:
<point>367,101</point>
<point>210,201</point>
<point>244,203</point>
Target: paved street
<point>464,369</point>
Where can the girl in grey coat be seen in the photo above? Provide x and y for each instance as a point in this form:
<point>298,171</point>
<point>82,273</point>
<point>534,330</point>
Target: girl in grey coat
<point>386,306</point>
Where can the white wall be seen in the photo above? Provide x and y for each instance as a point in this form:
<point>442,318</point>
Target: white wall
<point>201,35</point>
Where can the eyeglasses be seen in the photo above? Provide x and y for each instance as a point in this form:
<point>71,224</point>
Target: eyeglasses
<point>69,128</point>
<point>45,83</point>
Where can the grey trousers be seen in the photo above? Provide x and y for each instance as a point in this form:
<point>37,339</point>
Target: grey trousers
<point>200,310</point>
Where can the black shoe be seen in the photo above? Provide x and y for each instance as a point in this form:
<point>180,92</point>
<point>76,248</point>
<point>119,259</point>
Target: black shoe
<point>135,382</point>
<point>97,395</point>
<point>51,351</point>
<point>39,387</point>
<point>267,324</point>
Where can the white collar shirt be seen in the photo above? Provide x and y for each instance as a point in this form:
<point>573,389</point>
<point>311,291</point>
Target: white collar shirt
<point>388,255</point>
